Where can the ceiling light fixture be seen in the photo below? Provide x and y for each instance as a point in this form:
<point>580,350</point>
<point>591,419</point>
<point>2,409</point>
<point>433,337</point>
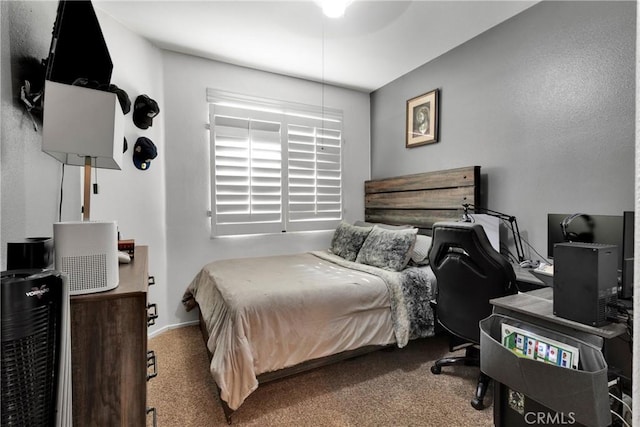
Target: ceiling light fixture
<point>334,8</point>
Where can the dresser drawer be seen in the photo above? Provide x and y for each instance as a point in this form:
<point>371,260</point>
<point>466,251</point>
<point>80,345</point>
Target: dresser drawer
<point>109,351</point>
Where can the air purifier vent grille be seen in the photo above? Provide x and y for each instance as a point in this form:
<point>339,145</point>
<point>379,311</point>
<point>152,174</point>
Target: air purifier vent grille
<point>28,359</point>
<point>86,272</point>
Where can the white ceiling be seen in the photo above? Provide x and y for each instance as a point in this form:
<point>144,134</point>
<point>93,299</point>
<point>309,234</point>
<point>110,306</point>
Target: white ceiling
<point>373,44</point>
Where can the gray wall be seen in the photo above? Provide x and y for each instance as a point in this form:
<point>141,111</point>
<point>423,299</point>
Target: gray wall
<point>30,178</point>
<point>30,184</point>
<point>132,197</point>
<point>164,207</point>
<point>189,245</point>
<point>544,103</point>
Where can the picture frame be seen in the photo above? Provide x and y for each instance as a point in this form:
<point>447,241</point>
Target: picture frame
<point>422,119</point>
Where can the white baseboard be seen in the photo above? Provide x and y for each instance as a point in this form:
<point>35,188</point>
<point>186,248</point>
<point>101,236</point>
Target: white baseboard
<point>174,326</point>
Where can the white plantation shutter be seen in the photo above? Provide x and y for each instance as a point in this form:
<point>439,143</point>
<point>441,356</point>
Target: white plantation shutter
<point>274,166</point>
<point>247,165</point>
<point>314,174</point>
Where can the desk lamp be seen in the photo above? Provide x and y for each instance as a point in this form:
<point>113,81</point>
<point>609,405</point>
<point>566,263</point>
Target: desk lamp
<point>84,127</point>
<point>513,223</point>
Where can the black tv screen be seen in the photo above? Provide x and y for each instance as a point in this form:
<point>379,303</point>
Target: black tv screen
<point>78,49</point>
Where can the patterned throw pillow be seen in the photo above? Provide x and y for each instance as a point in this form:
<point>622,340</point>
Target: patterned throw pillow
<point>347,240</point>
<point>388,249</point>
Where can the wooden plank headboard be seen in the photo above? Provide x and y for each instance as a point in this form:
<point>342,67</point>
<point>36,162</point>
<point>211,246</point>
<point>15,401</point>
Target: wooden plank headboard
<point>422,199</point>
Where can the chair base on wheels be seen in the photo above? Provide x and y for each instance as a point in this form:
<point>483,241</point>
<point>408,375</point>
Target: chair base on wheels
<point>471,358</point>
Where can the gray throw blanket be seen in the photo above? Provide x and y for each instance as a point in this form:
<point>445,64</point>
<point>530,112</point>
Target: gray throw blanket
<point>410,291</point>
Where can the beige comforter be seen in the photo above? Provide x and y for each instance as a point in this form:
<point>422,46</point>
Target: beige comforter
<point>269,313</point>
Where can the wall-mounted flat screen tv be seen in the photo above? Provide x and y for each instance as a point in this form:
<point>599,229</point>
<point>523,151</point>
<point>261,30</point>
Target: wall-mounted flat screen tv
<point>78,48</point>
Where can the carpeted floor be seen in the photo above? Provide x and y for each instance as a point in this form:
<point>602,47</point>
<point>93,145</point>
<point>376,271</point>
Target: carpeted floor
<point>384,388</point>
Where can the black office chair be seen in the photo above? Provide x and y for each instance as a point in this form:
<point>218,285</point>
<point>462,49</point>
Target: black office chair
<point>469,272</point>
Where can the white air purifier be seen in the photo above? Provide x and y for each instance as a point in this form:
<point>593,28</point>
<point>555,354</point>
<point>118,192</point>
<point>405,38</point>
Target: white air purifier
<point>87,251</point>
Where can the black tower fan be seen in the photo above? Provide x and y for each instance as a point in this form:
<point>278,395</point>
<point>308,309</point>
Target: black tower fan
<point>31,331</point>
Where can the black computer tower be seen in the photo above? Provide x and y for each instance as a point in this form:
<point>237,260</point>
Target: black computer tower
<point>513,409</point>
<point>31,333</point>
<point>585,281</point>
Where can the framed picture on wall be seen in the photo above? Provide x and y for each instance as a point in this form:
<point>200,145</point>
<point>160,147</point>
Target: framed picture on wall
<point>422,119</point>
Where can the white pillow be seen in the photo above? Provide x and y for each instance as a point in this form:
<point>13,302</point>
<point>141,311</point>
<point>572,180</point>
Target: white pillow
<point>421,249</point>
<point>381,225</point>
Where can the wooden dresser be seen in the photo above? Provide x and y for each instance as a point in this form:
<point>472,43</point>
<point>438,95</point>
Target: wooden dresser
<point>110,361</point>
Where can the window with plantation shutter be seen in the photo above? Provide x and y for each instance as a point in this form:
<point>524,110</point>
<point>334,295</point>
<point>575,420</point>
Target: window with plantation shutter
<point>275,166</point>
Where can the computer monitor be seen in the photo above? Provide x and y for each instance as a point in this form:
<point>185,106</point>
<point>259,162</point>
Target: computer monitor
<point>628,230</point>
<point>597,228</point>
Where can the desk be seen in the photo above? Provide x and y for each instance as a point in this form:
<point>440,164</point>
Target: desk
<point>550,385</point>
<point>538,305</point>
<point>525,280</point>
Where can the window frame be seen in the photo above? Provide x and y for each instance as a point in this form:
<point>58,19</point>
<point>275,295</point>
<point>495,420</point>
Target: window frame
<point>286,114</point>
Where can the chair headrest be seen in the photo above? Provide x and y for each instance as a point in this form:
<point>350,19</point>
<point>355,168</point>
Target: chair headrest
<point>465,238</point>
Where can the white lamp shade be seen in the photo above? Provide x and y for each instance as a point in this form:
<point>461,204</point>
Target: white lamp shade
<point>81,122</point>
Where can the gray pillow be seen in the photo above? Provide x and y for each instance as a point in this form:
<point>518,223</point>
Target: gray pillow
<point>388,249</point>
<point>347,240</point>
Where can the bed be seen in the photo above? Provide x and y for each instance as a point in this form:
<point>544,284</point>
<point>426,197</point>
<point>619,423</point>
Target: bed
<point>264,318</point>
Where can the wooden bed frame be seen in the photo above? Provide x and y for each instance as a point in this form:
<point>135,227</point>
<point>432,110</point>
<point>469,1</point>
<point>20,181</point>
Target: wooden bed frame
<point>422,199</point>
<point>419,200</point>
<point>293,370</point>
